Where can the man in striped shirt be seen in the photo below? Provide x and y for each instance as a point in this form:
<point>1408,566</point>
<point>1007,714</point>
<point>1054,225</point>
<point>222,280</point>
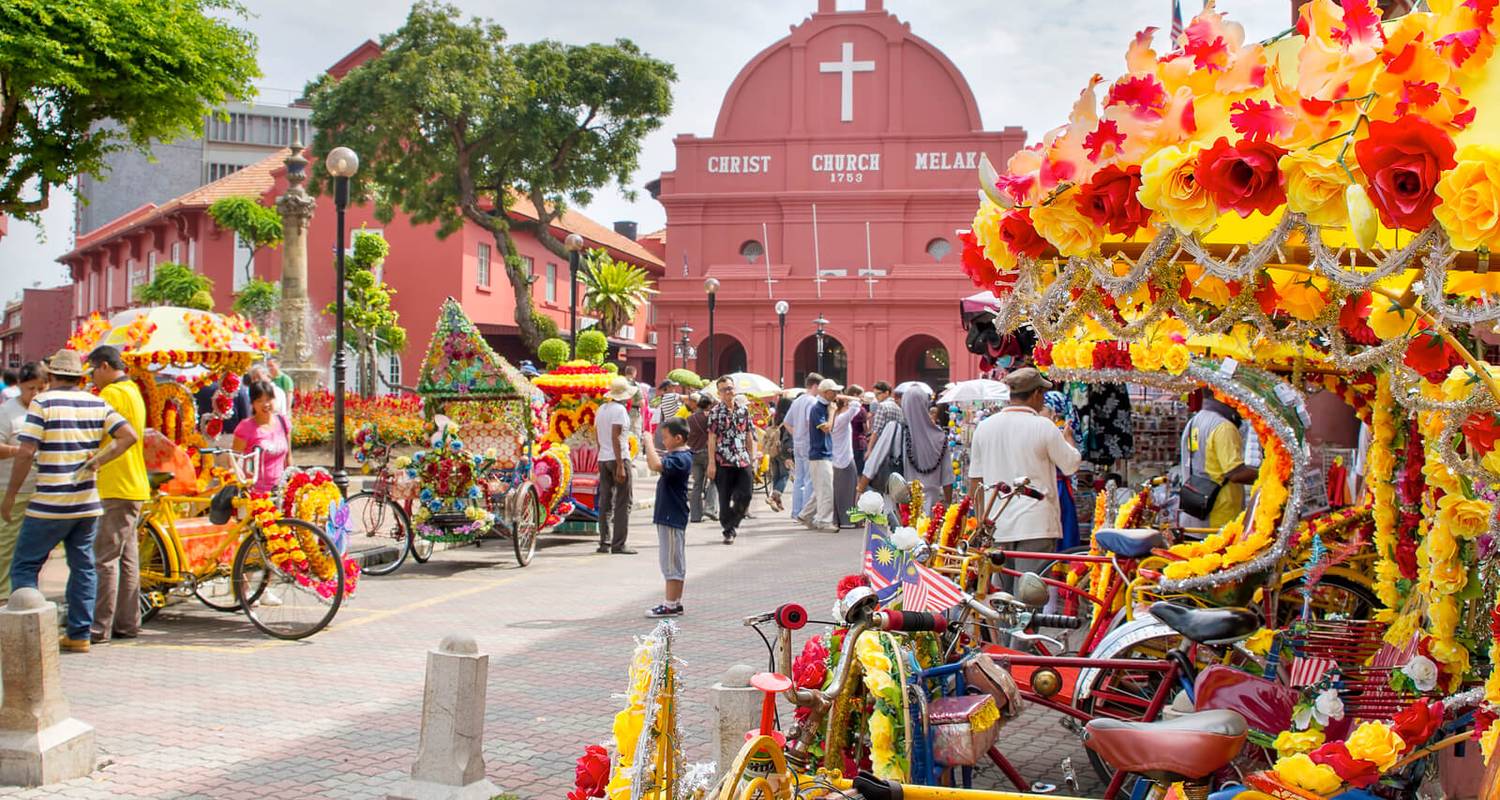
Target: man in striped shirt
<point>63,431</point>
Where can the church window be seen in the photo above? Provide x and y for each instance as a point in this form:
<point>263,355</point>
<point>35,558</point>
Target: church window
<point>752,250</point>
<point>939,248</point>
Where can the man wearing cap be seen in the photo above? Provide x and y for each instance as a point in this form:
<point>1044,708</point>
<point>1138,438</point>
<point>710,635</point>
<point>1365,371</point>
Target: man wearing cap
<point>64,429</point>
<point>818,513</point>
<point>612,428</point>
<point>1020,442</point>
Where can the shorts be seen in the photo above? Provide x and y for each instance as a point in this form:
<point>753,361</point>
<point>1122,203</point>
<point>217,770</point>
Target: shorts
<point>672,552</point>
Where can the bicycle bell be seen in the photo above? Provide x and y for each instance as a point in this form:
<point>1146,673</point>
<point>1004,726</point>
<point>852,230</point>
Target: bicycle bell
<point>897,490</point>
<point>854,606</point>
<point>1031,590</point>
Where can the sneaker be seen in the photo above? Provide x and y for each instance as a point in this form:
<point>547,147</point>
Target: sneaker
<point>728,538</point>
<point>73,645</point>
<point>624,551</point>
<point>269,599</point>
<point>665,610</point>
<point>603,548</point>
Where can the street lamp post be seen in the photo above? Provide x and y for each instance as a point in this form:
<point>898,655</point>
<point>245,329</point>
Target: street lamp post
<point>341,163</point>
<point>711,285</point>
<point>781,308</point>
<point>820,322</point>
<point>574,244</point>
<point>685,351</point>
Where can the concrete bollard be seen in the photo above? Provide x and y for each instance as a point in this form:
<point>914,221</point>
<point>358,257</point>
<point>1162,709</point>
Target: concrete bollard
<point>736,709</point>
<point>39,742</point>
<point>450,754</point>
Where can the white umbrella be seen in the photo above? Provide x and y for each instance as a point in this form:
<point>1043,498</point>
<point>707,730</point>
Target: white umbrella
<point>904,385</point>
<point>748,383</point>
<point>976,391</point>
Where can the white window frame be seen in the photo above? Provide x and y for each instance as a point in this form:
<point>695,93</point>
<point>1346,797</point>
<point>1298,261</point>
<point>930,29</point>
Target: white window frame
<point>551,288</point>
<point>241,254</point>
<point>150,267</point>
<point>177,252</point>
<point>482,274</point>
<point>109,286</point>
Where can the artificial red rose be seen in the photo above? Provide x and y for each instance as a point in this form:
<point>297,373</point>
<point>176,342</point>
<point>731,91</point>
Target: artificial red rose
<point>1355,771</point>
<point>1406,557</point>
<point>1041,355</point>
<point>979,268</point>
<point>1481,431</point>
<point>1020,235</point>
<point>811,667</point>
<point>1417,722</point>
<point>1267,297</point>
<point>1354,319</point>
<point>1430,355</point>
<point>230,383</point>
<point>1109,199</point>
<point>1242,177</point>
<point>1402,162</point>
<point>591,774</point>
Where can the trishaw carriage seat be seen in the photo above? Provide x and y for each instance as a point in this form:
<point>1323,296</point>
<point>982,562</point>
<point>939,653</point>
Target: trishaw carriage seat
<point>1208,625</point>
<point>159,479</point>
<point>221,507</point>
<point>1190,747</point>
<point>1129,542</point>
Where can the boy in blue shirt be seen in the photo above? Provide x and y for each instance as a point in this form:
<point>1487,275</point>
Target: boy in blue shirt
<point>671,512</point>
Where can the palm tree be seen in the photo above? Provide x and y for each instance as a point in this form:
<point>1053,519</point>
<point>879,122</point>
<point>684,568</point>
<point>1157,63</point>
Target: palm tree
<point>613,291</point>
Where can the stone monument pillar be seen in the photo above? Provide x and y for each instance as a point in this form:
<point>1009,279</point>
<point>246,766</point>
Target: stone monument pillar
<point>450,752</point>
<point>296,208</point>
<point>39,742</point>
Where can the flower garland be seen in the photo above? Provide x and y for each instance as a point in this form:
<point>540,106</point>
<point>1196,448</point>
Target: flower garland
<point>448,476</point>
<point>1381,465</point>
<point>877,653</point>
<point>208,330</point>
<point>295,551</point>
<point>1442,573</point>
<point>88,333</point>
<point>138,332</point>
<point>640,733</point>
<point>1360,760</point>
<point>1229,546</point>
<point>948,535</point>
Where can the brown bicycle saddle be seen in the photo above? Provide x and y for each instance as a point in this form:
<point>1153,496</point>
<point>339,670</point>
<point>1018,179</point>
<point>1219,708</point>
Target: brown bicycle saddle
<point>1189,747</point>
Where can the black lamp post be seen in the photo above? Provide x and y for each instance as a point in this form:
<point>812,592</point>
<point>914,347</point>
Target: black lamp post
<point>820,323</point>
<point>781,308</point>
<point>685,351</point>
<point>341,163</point>
<point>574,244</point>
<point>711,285</point>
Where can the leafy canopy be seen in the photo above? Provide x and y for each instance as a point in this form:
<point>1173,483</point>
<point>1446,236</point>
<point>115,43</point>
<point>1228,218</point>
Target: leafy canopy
<point>177,285</point>
<point>452,124</point>
<point>79,80</point>
<point>257,300</point>
<point>614,291</point>
<point>256,225</point>
<point>368,314</point>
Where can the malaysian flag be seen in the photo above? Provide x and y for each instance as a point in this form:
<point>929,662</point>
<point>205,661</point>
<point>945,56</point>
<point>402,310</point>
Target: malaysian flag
<point>882,564</point>
<point>1176,22</point>
<point>925,589</point>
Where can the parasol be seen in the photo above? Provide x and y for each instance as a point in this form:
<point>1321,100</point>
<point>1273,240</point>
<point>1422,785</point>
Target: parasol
<point>748,383</point>
<point>905,385</point>
<point>173,329</point>
<point>976,391</point>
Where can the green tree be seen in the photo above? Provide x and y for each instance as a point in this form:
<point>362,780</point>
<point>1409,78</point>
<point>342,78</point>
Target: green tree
<point>256,225</point>
<point>79,80</point>
<point>177,285</point>
<point>613,291</point>
<point>257,301</point>
<point>592,346</point>
<point>454,125</point>
<point>369,320</point>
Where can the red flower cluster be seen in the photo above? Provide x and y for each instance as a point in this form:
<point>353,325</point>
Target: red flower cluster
<point>849,583</point>
<point>811,667</point>
<point>1403,161</point>
<point>1109,200</point>
<point>1112,355</point>
<point>591,774</point>
<point>1243,176</point>
<point>1481,431</point>
<point>1430,354</point>
<point>979,268</point>
<point>1020,236</point>
<point>1041,355</point>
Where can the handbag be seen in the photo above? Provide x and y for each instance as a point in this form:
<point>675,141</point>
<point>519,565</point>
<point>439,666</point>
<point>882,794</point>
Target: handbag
<point>893,463</point>
<point>1197,495</point>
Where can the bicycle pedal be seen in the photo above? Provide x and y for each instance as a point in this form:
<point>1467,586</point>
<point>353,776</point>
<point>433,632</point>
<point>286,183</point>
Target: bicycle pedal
<point>1039,787</point>
<point>1072,725</point>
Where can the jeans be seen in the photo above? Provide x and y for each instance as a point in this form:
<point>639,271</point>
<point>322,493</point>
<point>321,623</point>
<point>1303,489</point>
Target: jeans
<point>38,537</point>
<point>778,475</point>
<point>615,503</point>
<point>736,486</point>
<point>801,483</point>
<point>701,497</point>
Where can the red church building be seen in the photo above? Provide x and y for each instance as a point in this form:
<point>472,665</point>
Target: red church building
<point>840,168</point>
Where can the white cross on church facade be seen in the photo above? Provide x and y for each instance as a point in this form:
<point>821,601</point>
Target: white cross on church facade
<point>846,69</point>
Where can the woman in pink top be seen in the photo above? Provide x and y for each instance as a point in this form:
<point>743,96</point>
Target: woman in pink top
<point>267,431</point>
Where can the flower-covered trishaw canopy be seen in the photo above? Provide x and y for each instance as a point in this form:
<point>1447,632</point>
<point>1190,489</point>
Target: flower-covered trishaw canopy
<point>1328,201</point>
<point>482,472</point>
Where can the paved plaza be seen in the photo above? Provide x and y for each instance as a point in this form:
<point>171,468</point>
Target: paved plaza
<point>203,706</point>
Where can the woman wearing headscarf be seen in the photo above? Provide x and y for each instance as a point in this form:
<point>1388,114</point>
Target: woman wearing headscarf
<point>924,446</point>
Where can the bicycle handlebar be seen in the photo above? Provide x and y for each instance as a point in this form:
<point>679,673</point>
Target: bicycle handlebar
<point>1056,621</point>
<point>908,621</point>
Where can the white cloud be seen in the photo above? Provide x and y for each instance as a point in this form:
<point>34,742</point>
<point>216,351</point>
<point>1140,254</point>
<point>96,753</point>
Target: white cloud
<point>1026,61</point>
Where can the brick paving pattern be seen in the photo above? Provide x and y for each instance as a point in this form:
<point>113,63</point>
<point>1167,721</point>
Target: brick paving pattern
<point>203,706</point>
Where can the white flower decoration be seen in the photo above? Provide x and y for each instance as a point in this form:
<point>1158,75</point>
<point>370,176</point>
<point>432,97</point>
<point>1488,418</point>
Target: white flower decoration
<point>905,538</point>
<point>1423,672</point>
<point>870,503</point>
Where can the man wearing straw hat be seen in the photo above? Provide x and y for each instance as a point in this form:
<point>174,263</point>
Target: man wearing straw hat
<point>63,432</point>
<point>612,428</point>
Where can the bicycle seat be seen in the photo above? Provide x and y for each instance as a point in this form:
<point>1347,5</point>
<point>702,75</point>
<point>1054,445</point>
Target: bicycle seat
<point>1208,625</point>
<point>221,508</point>
<point>1189,747</point>
<point>159,479</point>
<point>1129,542</point>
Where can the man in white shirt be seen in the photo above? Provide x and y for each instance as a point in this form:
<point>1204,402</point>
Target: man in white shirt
<point>612,429</point>
<point>796,423</point>
<point>1015,442</point>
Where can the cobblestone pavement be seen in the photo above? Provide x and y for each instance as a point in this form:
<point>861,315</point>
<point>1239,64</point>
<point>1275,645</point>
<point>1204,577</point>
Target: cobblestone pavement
<point>203,706</point>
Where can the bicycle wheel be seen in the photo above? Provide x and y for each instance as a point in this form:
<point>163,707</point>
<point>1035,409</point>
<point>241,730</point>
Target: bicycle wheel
<point>217,593</point>
<point>286,604</point>
<point>1332,595</point>
<point>155,574</point>
<point>377,522</point>
<point>528,524</point>
<point>421,546</point>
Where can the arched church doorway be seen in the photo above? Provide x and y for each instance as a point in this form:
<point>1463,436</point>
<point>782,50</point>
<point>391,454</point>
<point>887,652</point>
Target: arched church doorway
<point>729,356</point>
<point>835,360</point>
<point>923,358</point>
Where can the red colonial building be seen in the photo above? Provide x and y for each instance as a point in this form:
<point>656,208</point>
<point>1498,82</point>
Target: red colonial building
<point>35,325</point>
<point>842,163</point>
<point>108,263</point>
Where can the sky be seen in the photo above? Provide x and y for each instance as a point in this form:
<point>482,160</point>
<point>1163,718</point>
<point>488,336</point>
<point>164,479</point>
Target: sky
<point>1026,61</point>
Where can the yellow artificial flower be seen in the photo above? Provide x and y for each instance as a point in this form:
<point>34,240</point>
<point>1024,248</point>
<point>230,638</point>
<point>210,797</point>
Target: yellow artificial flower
<point>1144,356</point>
<point>986,228</point>
<point>1487,741</point>
<point>1168,188</point>
<point>1176,359</point>
<point>1465,518</point>
<point>879,683</point>
<point>1290,743</point>
<point>1491,462</point>
<point>1300,296</point>
<point>1389,320</point>
<point>1260,642</point>
<point>882,734</point>
<point>1061,223</point>
<point>1300,771</point>
<point>1361,212</point>
<point>1448,577</point>
<point>1440,544</point>
<point>1470,211</point>
<point>1209,288</point>
<point>1443,613</point>
<point>1376,743</point>
<point>1315,187</point>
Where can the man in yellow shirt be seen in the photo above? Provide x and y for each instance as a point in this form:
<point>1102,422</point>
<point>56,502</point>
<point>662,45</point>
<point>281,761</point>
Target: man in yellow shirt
<point>122,489</point>
<point>1212,446</point>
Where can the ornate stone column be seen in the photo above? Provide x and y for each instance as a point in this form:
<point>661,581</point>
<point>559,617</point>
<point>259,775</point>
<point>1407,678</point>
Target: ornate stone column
<point>296,208</point>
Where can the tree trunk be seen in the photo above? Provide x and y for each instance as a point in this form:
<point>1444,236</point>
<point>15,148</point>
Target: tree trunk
<point>520,284</point>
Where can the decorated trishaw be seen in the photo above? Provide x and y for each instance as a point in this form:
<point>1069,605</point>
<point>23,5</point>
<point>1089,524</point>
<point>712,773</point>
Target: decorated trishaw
<point>1324,207</point>
<point>573,390</point>
<point>205,532</point>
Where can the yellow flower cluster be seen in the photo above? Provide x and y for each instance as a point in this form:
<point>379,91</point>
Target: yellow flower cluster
<point>881,683</point>
<point>1290,743</point>
<point>1441,572</point>
<point>1163,355</point>
<point>1303,773</point>
<point>629,722</point>
<point>1382,466</point>
<point>1231,546</point>
<point>1073,354</point>
<point>1064,225</point>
